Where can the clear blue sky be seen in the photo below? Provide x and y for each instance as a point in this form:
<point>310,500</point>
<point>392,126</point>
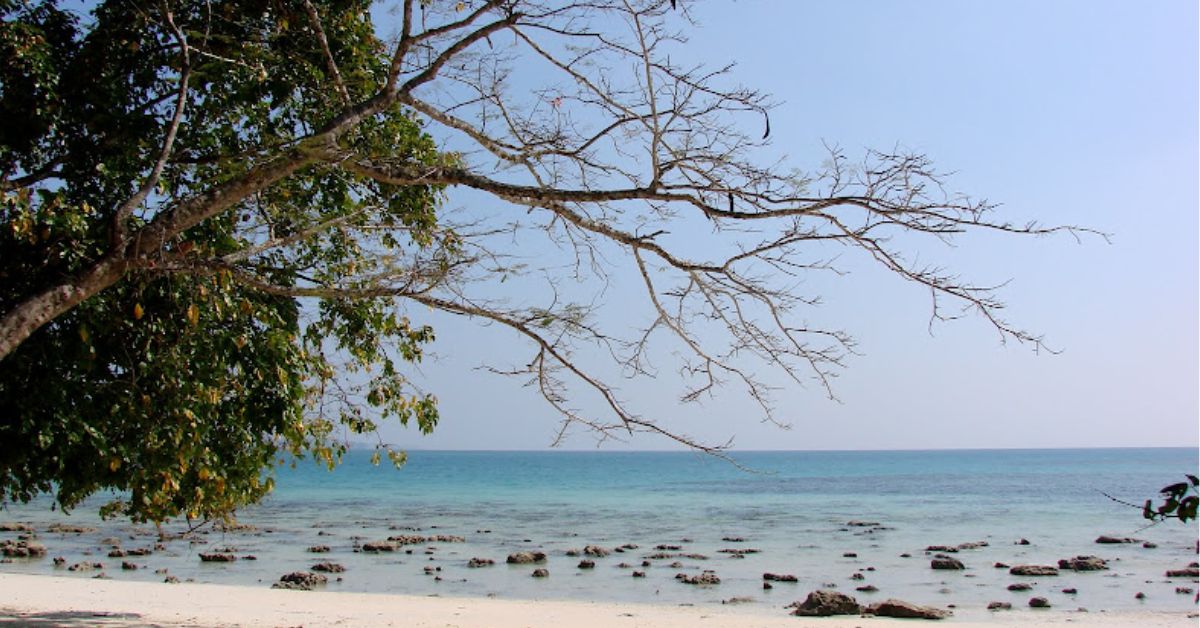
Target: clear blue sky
<point>1066,112</point>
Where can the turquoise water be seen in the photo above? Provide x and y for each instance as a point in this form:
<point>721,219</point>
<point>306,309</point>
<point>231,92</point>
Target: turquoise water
<point>793,506</point>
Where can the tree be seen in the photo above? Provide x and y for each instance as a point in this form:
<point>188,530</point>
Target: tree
<point>221,218</point>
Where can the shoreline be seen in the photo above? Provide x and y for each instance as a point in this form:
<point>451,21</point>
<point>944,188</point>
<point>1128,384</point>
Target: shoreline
<point>36,600</point>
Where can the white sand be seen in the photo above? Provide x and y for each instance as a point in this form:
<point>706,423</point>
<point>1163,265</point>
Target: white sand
<point>54,601</point>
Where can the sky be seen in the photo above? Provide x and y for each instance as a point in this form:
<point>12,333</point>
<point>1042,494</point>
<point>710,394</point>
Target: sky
<point>1065,112</point>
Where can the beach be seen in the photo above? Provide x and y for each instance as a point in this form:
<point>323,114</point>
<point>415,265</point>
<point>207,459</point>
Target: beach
<point>54,601</point>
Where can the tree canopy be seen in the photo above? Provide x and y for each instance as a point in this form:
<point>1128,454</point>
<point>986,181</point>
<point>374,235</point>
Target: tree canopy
<point>222,221</point>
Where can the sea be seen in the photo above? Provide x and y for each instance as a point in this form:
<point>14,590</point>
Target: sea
<point>832,519</point>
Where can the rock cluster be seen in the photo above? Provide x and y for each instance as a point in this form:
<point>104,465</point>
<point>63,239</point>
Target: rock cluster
<point>22,549</point>
<point>526,558</point>
<point>300,580</point>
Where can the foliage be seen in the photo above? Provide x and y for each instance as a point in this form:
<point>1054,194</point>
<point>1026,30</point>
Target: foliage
<point>181,388</point>
<point>1179,502</point>
<point>217,219</point>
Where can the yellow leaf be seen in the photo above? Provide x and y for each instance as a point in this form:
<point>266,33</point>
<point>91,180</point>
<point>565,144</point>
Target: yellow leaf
<point>460,6</point>
<point>193,314</point>
<point>114,464</point>
<point>138,312</point>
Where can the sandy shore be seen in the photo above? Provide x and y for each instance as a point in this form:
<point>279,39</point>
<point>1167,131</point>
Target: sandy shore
<point>54,601</point>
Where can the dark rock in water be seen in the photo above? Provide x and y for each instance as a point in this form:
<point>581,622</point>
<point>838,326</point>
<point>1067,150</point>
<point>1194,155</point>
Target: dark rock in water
<point>676,565</point>
<point>857,576</point>
<point>624,566</point>
<point>139,551</point>
<point>639,574</point>
<point>318,549</point>
<point>1070,590</point>
<point>694,556</point>
<point>1140,596</point>
<point>1083,563</point>
<point>116,553</point>
<point>476,563</point>
<point>249,557</point>
<point>1114,540</point>
<point>739,552</point>
<point>300,580</point>
<point>1001,565</point>
<point>669,548</point>
<point>767,586</point>
<point>825,603</point>
<point>946,563</point>
<point>780,577</point>
<point>733,539</point>
<point>738,600</point>
<point>128,566</point>
<point>849,555</point>
<point>22,549</point>
<point>171,580</point>
<point>595,550</point>
<point>1183,590</point>
<point>705,579</point>
<point>541,573</point>
<point>1039,602</point>
<point>1190,572</point>
<point>375,547</point>
<point>862,524</point>
<point>906,555</point>
<point>1000,606</point>
<point>1023,542</point>
<point>85,566</point>
<point>867,588</point>
<point>59,561</point>
<point>972,545</point>
<point>1033,570</point>
<point>941,548</point>
<point>908,610</point>
<point>1149,545</point>
<point>526,558</point>
<point>1020,586</point>
<point>217,558</point>
<point>587,564</point>
<point>646,563</point>
<point>63,528</point>
<point>573,553</point>
<point>9,526</point>
<point>328,567</point>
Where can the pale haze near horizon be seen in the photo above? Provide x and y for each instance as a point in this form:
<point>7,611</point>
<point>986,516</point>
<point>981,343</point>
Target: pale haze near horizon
<point>1080,113</point>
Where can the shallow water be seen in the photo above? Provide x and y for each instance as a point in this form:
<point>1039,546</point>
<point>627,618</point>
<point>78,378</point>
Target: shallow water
<point>793,506</point>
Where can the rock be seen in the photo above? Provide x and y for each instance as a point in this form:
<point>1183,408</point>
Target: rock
<point>128,566</point>
<point>705,579</point>
<point>328,567</point>
<point>739,552</point>
<point>862,524</point>
<point>1139,596</point>
<point>906,555</point>
<point>1114,540</point>
<point>375,547</point>
<point>249,557</point>
<point>595,550</point>
<point>476,563</point>
<point>849,555</point>
<point>318,549</point>
<point>639,574</point>
<point>526,558</point>
<point>780,577</point>
<point>573,553</point>
<point>1023,542</point>
<point>1001,565</point>
<point>587,564</point>
<point>541,573</point>
<point>999,606</point>
<point>676,565</point>
<point>825,603</point>
<point>733,539</point>
<point>117,553</point>
<point>1039,602</point>
<point>59,561</point>
<point>694,556</point>
<point>300,580</point>
<point>767,586</point>
<point>1070,590</point>
<point>669,548</point>
<point>139,551</point>
<point>857,576</point>
<point>624,566</point>
<point>1083,563</point>
<point>217,557</point>
<point>1149,545</point>
<point>22,549</point>
<point>738,600</point>
<point>1033,570</point>
<point>908,610</point>
<point>63,528</point>
<point>941,548</point>
<point>972,545</point>
<point>1020,586</point>
<point>85,566</point>
<point>1190,572</point>
<point>946,563</point>
<point>171,580</point>
<point>9,526</point>
<point>1183,590</point>
<point>867,588</point>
